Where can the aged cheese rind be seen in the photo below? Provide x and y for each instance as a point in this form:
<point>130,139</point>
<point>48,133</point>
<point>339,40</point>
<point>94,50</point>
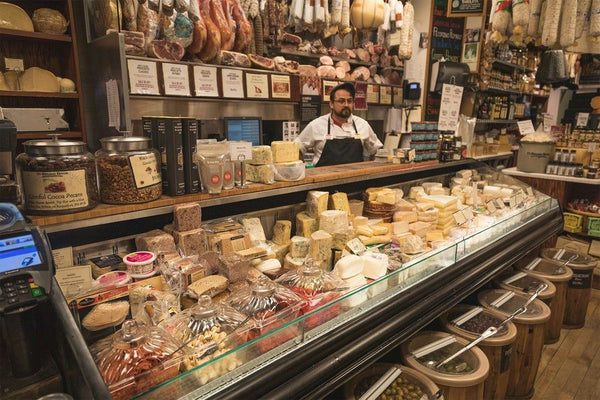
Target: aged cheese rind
<point>282,232</point>
<point>262,155</point>
<point>339,201</point>
<point>306,225</point>
<point>299,246</point>
<point>285,151</point>
<point>333,221</point>
<point>316,203</point>
<point>320,246</point>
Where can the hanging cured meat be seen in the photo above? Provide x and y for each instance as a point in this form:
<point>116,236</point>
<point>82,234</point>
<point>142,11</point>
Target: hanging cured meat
<point>243,34</point>
<point>199,35</point>
<point>367,14</point>
<point>227,7</point>
<point>218,18</point>
<point>213,37</point>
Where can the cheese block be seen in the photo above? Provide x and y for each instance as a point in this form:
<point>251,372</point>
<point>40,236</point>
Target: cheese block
<point>386,197</point>
<point>306,225</point>
<point>435,234</point>
<point>424,206</point>
<point>341,238</point>
<point>428,186</point>
<point>192,242</point>
<point>339,201</point>
<point>299,246</point>
<point>349,266</point>
<point>376,239</point>
<point>418,227</point>
<point>355,282</point>
<point>254,227</point>
<point>282,231</point>
<point>356,207</point>
<point>437,191</point>
<point>233,266</point>
<point>445,220</point>
<point>364,230</point>
<point>360,221</point>
<point>446,225</point>
<point>210,285</point>
<point>320,246</point>
<point>337,255</point>
<point>316,203</point>
<point>408,216</point>
<point>412,244</point>
<point>373,192</point>
<point>415,191</point>
<point>399,227</point>
<point>464,174</point>
<point>441,202</point>
<point>280,250</point>
<point>37,79</point>
<point>290,171</point>
<point>380,229</point>
<point>290,262</point>
<point>375,264</point>
<point>285,151</point>
<point>403,205</point>
<point>187,216</point>
<point>260,173</point>
<point>12,80</point>
<point>333,221</point>
<point>262,155</point>
<point>14,17</point>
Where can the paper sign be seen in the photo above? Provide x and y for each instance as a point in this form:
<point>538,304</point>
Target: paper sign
<point>526,127</point>
<point>205,81</point>
<point>74,279</point>
<point>63,257</point>
<point>459,217</point>
<point>257,86</point>
<point>548,121</point>
<point>177,79</point>
<point>450,107</point>
<point>529,192</point>
<point>385,95</point>
<point>499,204</point>
<point>373,94</point>
<point>468,213</point>
<point>233,83</point>
<point>240,150</point>
<point>360,98</point>
<point>512,201</point>
<point>143,78</point>
<point>582,119</point>
<point>280,87</point>
<point>491,207</point>
<point>113,103</point>
<point>14,64</point>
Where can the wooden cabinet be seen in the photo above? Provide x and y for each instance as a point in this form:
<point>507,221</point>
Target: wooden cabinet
<point>56,53</point>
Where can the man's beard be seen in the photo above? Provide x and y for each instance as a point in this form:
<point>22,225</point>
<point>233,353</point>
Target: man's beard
<point>344,113</point>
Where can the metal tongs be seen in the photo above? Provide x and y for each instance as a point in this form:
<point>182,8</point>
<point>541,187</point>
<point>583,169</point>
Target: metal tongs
<point>386,380</point>
<point>561,268</point>
<point>486,334</point>
<point>523,308</point>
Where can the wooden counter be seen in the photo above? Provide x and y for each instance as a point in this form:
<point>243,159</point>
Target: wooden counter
<point>315,178</point>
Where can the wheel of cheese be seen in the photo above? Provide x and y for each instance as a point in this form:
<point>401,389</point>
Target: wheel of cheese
<point>14,17</point>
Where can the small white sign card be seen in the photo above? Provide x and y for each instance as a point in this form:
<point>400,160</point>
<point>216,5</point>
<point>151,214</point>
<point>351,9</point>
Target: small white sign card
<point>233,83</point>
<point>143,78</point>
<point>177,79</point>
<point>205,81</point>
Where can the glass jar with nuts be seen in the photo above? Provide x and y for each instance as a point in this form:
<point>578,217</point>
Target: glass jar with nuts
<point>128,170</point>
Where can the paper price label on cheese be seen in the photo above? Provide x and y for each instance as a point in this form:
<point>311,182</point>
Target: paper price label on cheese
<point>526,127</point>
<point>356,246</point>
<point>512,201</point>
<point>240,150</point>
<point>491,207</point>
<point>459,218</point>
<point>468,213</point>
<point>520,198</point>
<point>529,192</point>
<point>499,204</point>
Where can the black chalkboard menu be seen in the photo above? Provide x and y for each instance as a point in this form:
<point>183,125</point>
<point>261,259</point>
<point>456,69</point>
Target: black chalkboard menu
<point>446,39</point>
<point>465,8</point>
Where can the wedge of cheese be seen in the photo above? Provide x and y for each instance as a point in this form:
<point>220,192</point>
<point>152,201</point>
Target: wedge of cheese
<point>285,151</point>
<point>316,203</point>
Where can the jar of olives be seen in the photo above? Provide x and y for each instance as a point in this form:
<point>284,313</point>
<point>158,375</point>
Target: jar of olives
<point>57,177</point>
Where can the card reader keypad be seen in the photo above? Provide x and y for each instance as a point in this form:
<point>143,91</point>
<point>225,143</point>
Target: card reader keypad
<point>18,289</point>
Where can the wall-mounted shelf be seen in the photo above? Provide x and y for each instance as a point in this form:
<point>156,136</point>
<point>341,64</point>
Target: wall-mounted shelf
<point>496,121</point>
<point>501,90</point>
<point>44,135</point>
<point>54,95</point>
<point>34,35</point>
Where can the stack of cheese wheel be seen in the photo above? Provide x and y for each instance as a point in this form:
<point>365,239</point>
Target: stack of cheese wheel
<point>461,378</point>
<point>469,322</point>
<point>580,285</point>
<point>528,346</point>
<point>560,276</point>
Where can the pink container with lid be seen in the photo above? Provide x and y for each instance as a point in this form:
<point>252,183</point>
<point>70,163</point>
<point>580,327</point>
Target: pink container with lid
<point>140,263</point>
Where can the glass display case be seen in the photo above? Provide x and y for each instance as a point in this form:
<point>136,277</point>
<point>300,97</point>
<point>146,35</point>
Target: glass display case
<point>361,325</point>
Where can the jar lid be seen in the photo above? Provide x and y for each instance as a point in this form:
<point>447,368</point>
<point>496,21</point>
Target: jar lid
<point>469,322</point>
<point>572,258</point>
<point>49,147</point>
<point>551,270</point>
<point>519,281</point>
<point>139,258</point>
<point>505,302</point>
<point>125,143</point>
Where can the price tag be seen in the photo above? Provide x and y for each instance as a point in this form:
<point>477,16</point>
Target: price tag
<point>548,121</point>
<point>529,192</point>
<point>512,201</point>
<point>491,207</point>
<point>143,78</point>
<point>356,246</point>
<point>582,119</point>
<point>240,151</point>
<point>257,86</point>
<point>459,218</point>
<point>177,79</point>
<point>205,81</point>
<point>233,83</point>
<point>63,257</point>
<point>468,213</point>
<point>520,198</point>
<point>526,127</point>
<point>499,203</point>
<point>14,64</point>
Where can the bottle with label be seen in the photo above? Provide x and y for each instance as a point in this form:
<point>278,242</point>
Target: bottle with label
<point>572,155</point>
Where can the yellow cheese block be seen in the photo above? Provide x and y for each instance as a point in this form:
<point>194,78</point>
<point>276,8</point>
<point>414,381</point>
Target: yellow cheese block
<point>14,17</point>
<point>377,239</point>
<point>339,201</point>
<point>36,79</point>
<point>305,224</point>
<point>284,151</point>
<point>434,235</point>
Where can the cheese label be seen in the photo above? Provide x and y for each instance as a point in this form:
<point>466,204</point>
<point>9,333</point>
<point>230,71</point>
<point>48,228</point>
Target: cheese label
<point>499,204</point>
<point>145,170</point>
<point>55,190</point>
<point>529,192</point>
<point>143,77</point>
<point>491,207</point>
<point>459,217</point>
<point>356,246</point>
<point>468,213</point>
<point>233,83</point>
<point>257,86</point>
<point>205,81</point>
<point>240,151</point>
<point>512,201</point>
<point>177,79</point>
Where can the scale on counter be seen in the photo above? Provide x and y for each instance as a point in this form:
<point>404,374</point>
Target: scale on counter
<point>26,270</point>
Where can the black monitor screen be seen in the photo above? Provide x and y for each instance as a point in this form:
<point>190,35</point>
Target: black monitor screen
<point>18,252</point>
<point>247,129</point>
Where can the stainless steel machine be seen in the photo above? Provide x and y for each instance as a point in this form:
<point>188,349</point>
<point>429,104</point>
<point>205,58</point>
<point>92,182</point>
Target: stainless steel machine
<point>9,191</point>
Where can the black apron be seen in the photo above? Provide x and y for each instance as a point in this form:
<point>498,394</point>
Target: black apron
<point>340,151</point>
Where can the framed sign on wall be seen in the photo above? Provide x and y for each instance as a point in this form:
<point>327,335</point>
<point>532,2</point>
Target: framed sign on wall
<point>465,8</point>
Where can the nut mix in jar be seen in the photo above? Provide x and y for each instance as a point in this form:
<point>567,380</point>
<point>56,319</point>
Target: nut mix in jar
<point>128,170</point>
<point>57,177</point>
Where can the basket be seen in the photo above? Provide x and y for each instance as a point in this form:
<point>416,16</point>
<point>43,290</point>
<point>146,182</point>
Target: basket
<point>593,226</point>
<point>572,222</point>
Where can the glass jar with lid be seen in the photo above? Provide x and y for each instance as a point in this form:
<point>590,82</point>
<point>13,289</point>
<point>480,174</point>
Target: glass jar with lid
<point>57,176</point>
<point>128,170</point>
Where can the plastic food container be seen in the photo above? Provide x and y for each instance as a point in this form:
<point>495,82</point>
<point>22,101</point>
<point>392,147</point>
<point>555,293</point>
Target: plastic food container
<point>528,346</point>
<point>114,278</point>
<point>520,282</point>
<point>57,177</point>
<point>128,170</point>
<point>270,306</point>
<point>140,263</point>
<point>317,288</point>
<point>560,276</point>
<point>469,322</point>
<point>462,378</point>
<point>579,288</point>
<point>136,358</point>
<point>410,382</point>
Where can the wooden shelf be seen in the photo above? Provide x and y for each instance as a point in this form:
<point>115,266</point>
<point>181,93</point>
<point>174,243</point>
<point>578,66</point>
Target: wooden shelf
<point>35,35</point>
<point>311,56</point>
<point>44,135</point>
<point>508,64</point>
<point>501,90</point>
<point>54,95</point>
<point>496,121</point>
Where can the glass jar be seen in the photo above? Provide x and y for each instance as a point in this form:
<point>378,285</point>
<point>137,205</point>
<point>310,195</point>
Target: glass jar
<point>128,170</point>
<point>57,177</point>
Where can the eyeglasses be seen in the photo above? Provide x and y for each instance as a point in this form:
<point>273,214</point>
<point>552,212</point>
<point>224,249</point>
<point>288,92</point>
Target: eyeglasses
<point>344,101</point>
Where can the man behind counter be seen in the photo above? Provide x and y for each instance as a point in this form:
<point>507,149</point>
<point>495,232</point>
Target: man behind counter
<point>339,137</point>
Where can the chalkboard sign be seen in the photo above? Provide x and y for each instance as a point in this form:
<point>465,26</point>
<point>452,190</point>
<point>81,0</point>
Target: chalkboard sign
<point>465,8</point>
<point>446,39</point>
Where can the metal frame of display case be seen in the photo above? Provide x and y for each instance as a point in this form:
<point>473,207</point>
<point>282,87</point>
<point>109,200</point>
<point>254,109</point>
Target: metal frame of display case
<point>317,361</point>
